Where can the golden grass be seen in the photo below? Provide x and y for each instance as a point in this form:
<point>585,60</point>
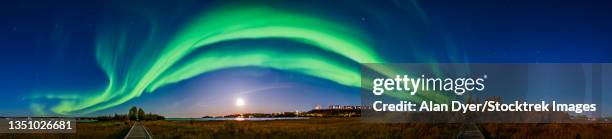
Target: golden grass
<point>322,128</point>
<point>310,128</point>
<point>554,130</point>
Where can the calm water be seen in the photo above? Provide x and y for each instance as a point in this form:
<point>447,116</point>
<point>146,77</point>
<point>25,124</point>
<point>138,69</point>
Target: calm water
<point>236,119</point>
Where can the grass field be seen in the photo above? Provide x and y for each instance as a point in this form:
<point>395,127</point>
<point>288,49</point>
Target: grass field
<point>323,128</point>
<point>562,131</point>
<point>310,128</point>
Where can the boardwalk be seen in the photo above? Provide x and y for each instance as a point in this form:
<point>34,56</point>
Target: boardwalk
<point>471,131</point>
<point>138,131</point>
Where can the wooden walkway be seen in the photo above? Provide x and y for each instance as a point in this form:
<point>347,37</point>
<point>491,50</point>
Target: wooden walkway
<point>471,131</point>
<point>138,131</point>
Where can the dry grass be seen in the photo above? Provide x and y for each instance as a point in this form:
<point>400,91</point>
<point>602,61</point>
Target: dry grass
<point>557,130</point>
<point>310,128</point>
<point>323,128</point>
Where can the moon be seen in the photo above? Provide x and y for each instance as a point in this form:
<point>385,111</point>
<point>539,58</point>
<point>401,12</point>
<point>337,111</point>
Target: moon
<point>239,102</point>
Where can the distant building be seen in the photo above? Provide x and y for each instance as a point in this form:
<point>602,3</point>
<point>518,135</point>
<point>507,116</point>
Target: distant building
<point>347,107</point>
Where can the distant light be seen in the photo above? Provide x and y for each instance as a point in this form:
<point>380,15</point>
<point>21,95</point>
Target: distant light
<point>239,102</point>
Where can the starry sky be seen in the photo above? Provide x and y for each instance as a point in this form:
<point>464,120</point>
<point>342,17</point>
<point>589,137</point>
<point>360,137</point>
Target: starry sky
<point>195,58</point>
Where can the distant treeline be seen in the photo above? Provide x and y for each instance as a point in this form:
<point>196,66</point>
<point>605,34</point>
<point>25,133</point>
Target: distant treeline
<point>260,115</point>
<point>334,113</point>
<point>133,114</point>
<point>312,113</point>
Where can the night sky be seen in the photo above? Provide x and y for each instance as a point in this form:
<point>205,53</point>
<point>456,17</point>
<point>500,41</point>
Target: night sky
<point>195,58</point>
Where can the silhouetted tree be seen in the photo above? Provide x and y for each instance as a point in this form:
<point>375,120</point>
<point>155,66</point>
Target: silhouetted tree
<point>133,113</point>
<point>141,114</point>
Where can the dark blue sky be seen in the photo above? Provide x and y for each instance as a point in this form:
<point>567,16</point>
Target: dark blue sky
<point>50,44</point>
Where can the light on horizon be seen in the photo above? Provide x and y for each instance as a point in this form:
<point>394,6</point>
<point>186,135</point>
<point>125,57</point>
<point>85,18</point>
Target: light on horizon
<point>239,102</point>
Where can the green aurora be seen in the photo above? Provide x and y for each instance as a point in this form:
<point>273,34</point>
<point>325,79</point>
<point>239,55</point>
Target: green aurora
<point>129,76</point>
